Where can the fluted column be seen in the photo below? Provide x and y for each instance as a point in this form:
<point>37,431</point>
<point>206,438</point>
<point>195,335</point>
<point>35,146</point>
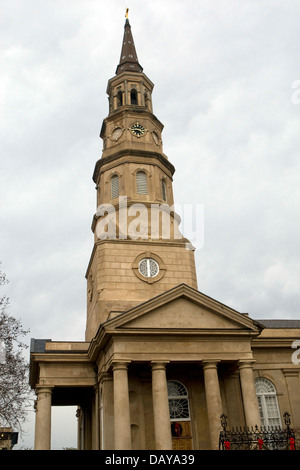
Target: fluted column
<point>43,419</point>
<point>121,407</point>
<point>213,401</point>
<point>162,426</point>
<point>250,402</point>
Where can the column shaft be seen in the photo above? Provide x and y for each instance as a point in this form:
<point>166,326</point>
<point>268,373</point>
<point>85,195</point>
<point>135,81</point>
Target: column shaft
<point>162,427</point>
<point>213,402</point>
<point>250,402</point>
<point>121,407</point>
<point>43,419</point>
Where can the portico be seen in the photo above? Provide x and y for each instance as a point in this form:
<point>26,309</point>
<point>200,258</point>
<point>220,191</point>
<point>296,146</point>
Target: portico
<point>140,357</point>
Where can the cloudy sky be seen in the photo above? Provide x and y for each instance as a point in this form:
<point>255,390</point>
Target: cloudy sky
<point>227,88</point>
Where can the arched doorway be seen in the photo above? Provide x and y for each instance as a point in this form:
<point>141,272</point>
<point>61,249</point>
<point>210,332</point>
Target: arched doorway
<point>179,416</point>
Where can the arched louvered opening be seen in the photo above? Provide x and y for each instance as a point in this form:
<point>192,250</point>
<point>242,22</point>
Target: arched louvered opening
<point>133,97</point>
<point>141,183</point>
<point>119,99</point>
<point>114,185</point>
<point>267,402</point>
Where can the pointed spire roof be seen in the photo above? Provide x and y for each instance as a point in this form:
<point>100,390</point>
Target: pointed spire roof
<point>128,59</point>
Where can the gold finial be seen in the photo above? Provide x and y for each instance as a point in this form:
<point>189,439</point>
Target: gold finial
<point>126,14</point>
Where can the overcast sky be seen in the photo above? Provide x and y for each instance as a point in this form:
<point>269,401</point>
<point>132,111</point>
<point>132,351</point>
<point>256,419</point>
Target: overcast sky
<point>227,89</point>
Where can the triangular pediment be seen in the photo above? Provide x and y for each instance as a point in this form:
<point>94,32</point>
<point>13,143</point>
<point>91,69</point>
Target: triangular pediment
<point>183,308</point>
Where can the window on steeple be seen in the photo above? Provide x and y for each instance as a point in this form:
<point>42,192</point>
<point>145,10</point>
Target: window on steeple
<point>114,185</point>
<point>133,97</point>
<point>141,183</point>
<point>119,99</point>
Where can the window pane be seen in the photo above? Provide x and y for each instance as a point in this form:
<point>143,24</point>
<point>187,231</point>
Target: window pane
<point>148,267</point>
<point>141,182</point>
<point>114,186</point>
<point>267,402</point>
<point>179,408</point>
<point>272,411</point>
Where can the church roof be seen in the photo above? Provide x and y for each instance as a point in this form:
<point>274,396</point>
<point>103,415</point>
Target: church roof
<point>280,323</point>
<point>128,59</point>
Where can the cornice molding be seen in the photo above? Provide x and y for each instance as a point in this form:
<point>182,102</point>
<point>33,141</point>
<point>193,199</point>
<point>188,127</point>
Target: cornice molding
<point>128,153</point>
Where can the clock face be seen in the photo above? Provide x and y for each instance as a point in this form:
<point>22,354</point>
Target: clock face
<point>137,129</point>
<point>117,132</point>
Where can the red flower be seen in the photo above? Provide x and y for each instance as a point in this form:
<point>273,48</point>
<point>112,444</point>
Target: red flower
<point>227,445</point>
<point>292,443</point>
<point>260,443</point>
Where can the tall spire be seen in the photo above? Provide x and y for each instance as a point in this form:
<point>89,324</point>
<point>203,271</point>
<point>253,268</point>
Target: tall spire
<point>128,59</point>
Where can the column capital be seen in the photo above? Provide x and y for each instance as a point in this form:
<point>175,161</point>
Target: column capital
<point>159,365</point>
<point>105,376</point>
<point>120,364</point>
<point>43,389</point>
<point>210,364</point>
<point>290,372</point>
<point>246,363</point>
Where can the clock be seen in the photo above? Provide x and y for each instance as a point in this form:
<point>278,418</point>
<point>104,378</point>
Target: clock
<point>116,134</point>
<point>137,129</point>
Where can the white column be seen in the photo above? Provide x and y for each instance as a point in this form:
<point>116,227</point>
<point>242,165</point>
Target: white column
<point>250,402</point>
<point>121,407</point>
<point>213,401</point>
<point>43,419</point>
<point>162,426</point>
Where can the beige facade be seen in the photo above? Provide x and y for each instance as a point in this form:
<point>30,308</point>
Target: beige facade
<point>8,438</point>
<point>161,361</point>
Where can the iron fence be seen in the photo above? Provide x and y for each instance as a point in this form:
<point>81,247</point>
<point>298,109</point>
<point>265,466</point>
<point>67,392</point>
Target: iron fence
<point>257,438</point>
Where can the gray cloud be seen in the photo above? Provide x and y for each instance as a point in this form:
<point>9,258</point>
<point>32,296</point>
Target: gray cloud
<point>223,75</point>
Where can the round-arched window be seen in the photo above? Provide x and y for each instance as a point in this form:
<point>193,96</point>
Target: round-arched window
<point>178,401</point>
<point>114,186</point>
<point>267,402</point>
<point>148,267</point>
<point>141,182</point>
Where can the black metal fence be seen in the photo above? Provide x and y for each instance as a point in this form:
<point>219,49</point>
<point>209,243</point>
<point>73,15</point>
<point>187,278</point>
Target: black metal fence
<point>257,438</point>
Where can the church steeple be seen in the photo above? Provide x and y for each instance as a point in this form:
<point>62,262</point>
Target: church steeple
<point>128,59</point>
<point>137,243</point>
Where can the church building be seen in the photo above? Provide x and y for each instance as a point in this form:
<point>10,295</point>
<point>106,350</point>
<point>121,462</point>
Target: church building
<point>161,361</point>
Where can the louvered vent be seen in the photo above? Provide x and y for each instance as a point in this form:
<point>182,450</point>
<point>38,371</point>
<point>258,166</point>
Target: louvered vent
<point>114,186</point>
<point>141,182</point>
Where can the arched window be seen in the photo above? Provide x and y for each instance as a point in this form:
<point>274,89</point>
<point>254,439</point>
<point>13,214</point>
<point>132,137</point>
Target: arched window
<point>178,401</point>
<point>141,183</point>
<point>114,185</point>
<point>267,402</point>
<point>163,188</point>
<point>133,97</point>
<point>119,99</point>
